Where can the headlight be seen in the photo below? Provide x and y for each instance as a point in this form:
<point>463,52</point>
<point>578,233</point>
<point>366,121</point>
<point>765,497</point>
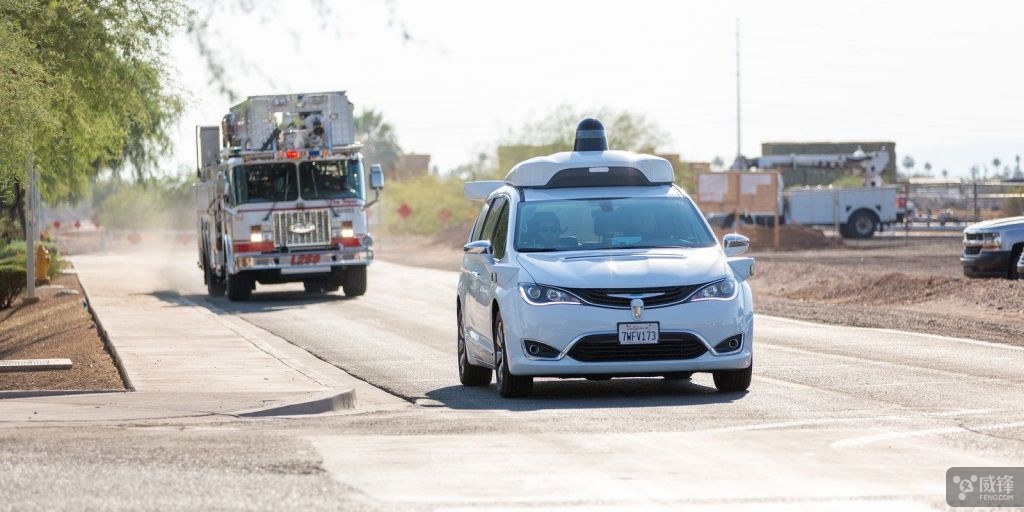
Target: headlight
<point>540,295</point>
<point>718,290</point>
<point>991,241</point>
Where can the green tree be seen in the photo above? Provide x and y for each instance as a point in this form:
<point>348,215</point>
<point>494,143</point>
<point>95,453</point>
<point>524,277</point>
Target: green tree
<point>928,169</point>
<point>625,130</point>
<point>93,91</point>
<point>380,143</point>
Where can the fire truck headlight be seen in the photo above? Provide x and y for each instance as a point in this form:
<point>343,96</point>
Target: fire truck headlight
<point>255,234</point>
<point>347,233</point>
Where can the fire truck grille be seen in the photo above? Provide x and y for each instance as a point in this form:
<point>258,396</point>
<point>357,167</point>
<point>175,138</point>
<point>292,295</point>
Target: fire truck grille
<point>302,228</point>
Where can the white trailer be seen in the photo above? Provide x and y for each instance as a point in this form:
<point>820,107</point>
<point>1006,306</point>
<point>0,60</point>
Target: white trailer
<point>858,212</point>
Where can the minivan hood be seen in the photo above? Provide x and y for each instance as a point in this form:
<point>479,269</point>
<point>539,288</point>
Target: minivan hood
<point>625,268</point>
<point>994,223</point>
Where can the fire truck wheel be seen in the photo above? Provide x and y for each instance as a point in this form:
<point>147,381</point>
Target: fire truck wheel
<point>355,281</point>
<point>239,287</point>
<point>214,286</point>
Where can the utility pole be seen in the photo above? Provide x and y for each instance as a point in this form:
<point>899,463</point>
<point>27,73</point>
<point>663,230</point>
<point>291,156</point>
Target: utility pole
<point>739,148</point>
<point>31,230</point>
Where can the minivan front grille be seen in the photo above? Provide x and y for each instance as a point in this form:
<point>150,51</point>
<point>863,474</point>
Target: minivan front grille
<point>605,348</point>
<point>620,297</point>
<point>302,228</point>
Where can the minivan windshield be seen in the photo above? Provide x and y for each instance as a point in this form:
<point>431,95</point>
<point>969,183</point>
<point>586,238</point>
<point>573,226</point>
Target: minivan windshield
<point>618,223</point>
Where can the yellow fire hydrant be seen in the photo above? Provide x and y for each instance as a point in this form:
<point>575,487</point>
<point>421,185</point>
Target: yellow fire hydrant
<point>42,265</point>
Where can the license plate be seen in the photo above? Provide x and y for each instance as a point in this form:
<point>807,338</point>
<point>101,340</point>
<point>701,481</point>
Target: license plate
<point>305,259</point>
<point>638,333</point>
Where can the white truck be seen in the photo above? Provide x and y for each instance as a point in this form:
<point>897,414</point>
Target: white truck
<point>281,196</point>
<point>993,248</point>
<point>858,212</point>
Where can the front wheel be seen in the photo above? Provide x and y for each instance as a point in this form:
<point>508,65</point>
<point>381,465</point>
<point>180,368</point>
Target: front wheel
<point>1014,258</point>
<point>509,386</point>
<point>214,285</point>
<point>239,287</point>
<point>355,281</point>
<point>469,374</point>
<point>733,380</point>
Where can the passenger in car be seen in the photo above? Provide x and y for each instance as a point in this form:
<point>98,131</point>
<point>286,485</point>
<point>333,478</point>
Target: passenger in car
<point>545,229</point>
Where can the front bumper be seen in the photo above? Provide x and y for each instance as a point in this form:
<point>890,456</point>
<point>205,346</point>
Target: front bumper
<point>986,263</point>
<point>562,326</point>
<point>305,262</point>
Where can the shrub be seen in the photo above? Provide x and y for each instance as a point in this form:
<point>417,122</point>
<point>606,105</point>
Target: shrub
<point>12,282</point>
<point>14,253</point>
<point>426,197</point>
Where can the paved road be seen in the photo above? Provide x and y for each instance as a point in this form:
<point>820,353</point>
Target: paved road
<point>837,418</point>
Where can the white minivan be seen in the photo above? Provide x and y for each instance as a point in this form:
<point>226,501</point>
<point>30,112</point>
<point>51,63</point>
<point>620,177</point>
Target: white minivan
<point>593,264</point>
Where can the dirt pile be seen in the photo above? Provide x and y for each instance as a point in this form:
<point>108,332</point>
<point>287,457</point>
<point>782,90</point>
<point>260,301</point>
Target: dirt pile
<point>791,237</point>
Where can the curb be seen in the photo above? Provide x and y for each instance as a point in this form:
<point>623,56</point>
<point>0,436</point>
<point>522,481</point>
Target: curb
<point>57,392</point>
<point>106,338</point>
<point>330,401</point>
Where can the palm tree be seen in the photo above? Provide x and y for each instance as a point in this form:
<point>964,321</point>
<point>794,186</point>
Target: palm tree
<point>380,144</point>
<point>928,169</point>
<point>717,163</point>
<point>908,164</point>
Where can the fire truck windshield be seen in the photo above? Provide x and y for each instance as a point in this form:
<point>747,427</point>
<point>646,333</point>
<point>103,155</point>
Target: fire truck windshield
<point>331,179</point>
<point>274,182</point>
<point>265,183</point>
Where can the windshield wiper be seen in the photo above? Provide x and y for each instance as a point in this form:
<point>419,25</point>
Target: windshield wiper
<point>539,249</point>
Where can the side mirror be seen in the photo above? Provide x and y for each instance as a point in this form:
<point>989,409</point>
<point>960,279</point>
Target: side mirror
<point>734,244</point>
<point>478,247</point>
<point>376,177</point>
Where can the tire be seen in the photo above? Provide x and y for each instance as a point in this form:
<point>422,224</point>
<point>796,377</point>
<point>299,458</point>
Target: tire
<point>509,386</point>
<point>239,287</point>
<point>862,224</point>
<point>1014,256</point>
<point>355,281</point>
<point>733,380</point>
<point>469,374</point>
<point>214,286</point>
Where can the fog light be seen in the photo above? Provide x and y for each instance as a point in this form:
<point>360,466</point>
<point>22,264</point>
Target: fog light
<point>538,349</point>
<point>731,344</point>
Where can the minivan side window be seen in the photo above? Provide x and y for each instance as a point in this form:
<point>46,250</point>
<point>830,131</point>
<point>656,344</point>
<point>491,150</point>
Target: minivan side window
<point>500,239</point>
<point>497,205</point>
<point>478,227</point>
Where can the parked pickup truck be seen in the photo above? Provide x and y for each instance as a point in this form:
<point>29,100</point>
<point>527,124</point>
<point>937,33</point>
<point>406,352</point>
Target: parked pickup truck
<point>992,248</point>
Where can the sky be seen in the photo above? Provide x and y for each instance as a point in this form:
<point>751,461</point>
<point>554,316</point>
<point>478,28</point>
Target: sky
<point>943,80</point>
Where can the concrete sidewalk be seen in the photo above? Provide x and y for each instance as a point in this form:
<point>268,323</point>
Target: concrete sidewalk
<point>184,359</point>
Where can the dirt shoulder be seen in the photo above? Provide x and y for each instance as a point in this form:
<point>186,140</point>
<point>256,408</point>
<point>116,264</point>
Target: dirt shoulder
<point>58,325</point>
